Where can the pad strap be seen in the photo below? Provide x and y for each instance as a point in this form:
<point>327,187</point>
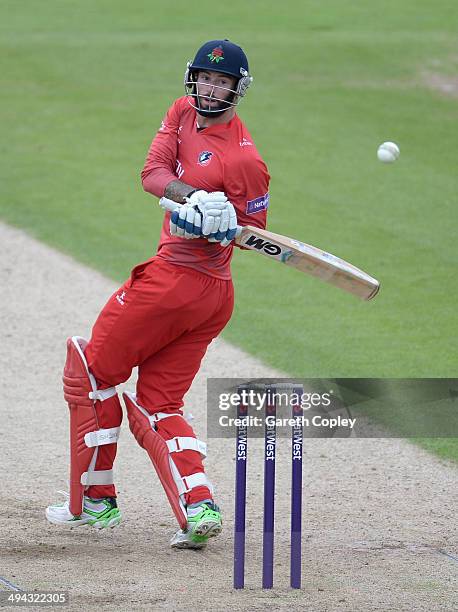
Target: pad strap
<point>102,394</point>
<point>153,418</point>
<point>158,416</point>
<point>99,477</point>
<point>102,436</point>
<point>181,443</point>
<point>186,483</point>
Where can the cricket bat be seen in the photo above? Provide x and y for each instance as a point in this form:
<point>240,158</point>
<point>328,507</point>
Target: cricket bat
<point>304,257</point>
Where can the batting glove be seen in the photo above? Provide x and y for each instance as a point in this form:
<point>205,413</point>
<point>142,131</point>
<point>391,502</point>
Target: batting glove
<point>210,205</point>
<point>225,226</point>
<point>186,222</point>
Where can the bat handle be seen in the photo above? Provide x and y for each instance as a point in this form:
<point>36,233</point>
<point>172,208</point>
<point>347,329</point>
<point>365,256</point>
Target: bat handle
<point>168,204</point>
<point>171,205</point>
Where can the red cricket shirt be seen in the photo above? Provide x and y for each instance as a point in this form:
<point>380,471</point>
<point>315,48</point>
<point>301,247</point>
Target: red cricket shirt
<point>217,158</point>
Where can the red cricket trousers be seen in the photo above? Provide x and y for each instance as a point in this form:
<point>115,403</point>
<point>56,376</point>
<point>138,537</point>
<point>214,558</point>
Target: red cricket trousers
<point>161,320</point>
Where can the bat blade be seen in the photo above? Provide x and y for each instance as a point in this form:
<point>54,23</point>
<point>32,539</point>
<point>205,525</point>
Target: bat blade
<point>310,260</point>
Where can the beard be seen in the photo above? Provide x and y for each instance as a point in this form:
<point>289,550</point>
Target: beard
<point>213,107</point>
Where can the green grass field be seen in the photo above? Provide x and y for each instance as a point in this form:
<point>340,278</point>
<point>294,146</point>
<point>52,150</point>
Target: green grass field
<point>85,85</point>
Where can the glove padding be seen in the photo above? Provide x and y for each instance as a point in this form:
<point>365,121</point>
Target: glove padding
<point>225,231</point>
<point>186,222</point>
<point>210,205</point>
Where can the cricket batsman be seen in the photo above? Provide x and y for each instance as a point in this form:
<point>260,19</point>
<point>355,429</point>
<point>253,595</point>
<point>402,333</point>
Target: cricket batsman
<point>163,318</point>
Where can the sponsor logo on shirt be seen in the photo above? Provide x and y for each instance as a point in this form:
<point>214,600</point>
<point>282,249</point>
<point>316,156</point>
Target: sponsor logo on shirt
<point>204,158</point>
<point>179,170</point>
<point>258,204</point>
<point>245,143</point>
<point>121,298</point>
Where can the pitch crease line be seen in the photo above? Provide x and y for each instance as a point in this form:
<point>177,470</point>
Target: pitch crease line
<point>447,554</point>
<point>9,584</point>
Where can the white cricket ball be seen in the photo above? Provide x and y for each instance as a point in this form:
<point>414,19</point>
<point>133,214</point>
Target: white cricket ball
<point>388,152</point>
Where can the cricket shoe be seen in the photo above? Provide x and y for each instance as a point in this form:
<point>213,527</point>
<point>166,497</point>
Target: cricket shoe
<point>99,513</point>
<point>204,522</point>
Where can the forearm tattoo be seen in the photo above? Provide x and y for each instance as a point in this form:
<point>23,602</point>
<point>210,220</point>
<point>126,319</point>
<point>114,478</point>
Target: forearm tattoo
<point>177,191</point>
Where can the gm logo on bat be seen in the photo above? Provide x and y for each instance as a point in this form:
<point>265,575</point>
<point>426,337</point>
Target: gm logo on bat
<point>269,248</point>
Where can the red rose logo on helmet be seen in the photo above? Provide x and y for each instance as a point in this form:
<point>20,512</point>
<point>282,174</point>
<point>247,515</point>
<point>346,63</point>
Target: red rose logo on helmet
<point>217,55</point>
